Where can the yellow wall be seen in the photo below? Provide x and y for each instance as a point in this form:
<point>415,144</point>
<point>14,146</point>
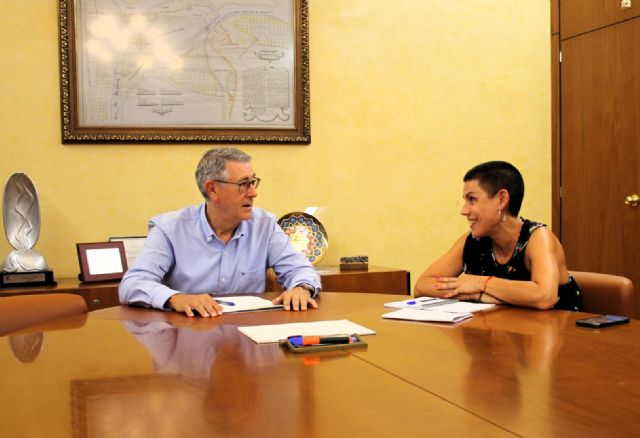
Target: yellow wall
<point>406,95</point>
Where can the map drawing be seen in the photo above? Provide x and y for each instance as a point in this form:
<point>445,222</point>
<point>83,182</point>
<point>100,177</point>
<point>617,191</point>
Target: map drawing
<point>186,63</point>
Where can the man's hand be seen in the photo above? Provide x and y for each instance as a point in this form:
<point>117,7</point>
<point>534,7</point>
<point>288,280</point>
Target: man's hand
<point>204,304</point>
<point>296,299</point>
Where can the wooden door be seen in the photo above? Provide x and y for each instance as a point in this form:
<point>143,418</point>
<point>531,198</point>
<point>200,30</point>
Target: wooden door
<point>600,150</point>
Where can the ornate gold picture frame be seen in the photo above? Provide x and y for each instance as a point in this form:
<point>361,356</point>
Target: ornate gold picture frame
<point>170,72</point>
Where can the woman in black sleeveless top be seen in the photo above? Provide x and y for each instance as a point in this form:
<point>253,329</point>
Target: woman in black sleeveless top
<point>503,258</point>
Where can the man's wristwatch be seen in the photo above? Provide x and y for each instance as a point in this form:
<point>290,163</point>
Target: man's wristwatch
<point>307,286</point>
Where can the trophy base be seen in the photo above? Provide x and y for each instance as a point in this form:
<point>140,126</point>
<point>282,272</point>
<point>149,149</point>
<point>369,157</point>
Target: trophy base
<point>26,279</point>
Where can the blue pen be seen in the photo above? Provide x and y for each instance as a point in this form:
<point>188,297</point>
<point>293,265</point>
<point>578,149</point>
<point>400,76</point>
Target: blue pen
<point>225,303</point>
<point>412,302</point>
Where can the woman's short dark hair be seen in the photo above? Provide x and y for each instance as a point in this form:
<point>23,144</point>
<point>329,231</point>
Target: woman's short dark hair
<point>495,175</point>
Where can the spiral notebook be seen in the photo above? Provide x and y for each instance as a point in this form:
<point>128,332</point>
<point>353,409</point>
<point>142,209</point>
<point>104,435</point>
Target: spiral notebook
<point>438,304</point>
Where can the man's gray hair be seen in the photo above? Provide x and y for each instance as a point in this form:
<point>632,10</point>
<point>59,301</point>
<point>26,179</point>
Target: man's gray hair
<point>212,165</point>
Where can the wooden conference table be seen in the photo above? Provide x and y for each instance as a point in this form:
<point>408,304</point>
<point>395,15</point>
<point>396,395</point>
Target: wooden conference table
<point>505,372</point>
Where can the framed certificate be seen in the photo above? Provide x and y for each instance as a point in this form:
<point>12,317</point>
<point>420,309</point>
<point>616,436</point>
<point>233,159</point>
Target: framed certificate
<point>157,71</point>
<point>132,246</point>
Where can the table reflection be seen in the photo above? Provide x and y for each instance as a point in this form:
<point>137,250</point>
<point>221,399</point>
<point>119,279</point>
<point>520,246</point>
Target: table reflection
<point>213,380</point>
<point>27,344</point>
<point>228,362</point>
<point>193,353</point>
<point>507,358</point>
<point>26,347</point>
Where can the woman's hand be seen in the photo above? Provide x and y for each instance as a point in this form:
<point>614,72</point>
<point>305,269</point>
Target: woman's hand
<point>465,287</point>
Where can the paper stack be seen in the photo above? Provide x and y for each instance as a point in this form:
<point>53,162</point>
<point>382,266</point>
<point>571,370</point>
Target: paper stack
<point>427,315</point>
<point>439,304</point>
<point>434,309</point>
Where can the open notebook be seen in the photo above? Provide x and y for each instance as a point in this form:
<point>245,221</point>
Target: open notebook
<point>245,303</point>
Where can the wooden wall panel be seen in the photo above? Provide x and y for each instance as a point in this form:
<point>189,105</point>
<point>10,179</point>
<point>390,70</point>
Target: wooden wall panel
<point>580,16</point>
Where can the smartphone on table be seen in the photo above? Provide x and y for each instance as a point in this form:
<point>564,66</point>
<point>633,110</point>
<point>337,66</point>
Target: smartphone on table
<point>602,321</point>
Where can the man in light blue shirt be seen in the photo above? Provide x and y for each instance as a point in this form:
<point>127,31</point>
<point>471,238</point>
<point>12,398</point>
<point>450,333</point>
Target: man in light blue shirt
<point>222,246</point>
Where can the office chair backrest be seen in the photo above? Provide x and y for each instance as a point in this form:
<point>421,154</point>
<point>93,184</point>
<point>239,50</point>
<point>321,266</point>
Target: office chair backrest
<point>605,293</point>
<point>22,311</point>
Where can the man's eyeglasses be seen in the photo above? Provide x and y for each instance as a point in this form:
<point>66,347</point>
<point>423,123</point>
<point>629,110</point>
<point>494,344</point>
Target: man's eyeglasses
<point>243,186</point>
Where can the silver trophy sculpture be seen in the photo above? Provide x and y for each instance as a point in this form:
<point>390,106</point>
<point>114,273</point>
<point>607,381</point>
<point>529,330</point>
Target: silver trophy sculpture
<point>24,266</point>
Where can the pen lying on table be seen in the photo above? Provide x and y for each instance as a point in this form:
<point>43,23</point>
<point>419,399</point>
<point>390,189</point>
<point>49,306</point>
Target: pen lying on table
<point>320,340</point>
<point>224,303</point>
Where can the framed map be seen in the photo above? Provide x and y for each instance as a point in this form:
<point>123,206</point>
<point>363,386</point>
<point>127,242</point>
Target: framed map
<point>168,71</point>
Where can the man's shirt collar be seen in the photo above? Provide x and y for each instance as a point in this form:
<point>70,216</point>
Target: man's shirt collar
<point>207,231</point>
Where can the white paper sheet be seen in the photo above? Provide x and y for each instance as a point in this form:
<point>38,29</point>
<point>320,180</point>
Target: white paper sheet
<point>262,334</point>
<point>246,303</point>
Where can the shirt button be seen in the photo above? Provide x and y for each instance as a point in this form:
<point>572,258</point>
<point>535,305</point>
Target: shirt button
<point>223,280</point>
